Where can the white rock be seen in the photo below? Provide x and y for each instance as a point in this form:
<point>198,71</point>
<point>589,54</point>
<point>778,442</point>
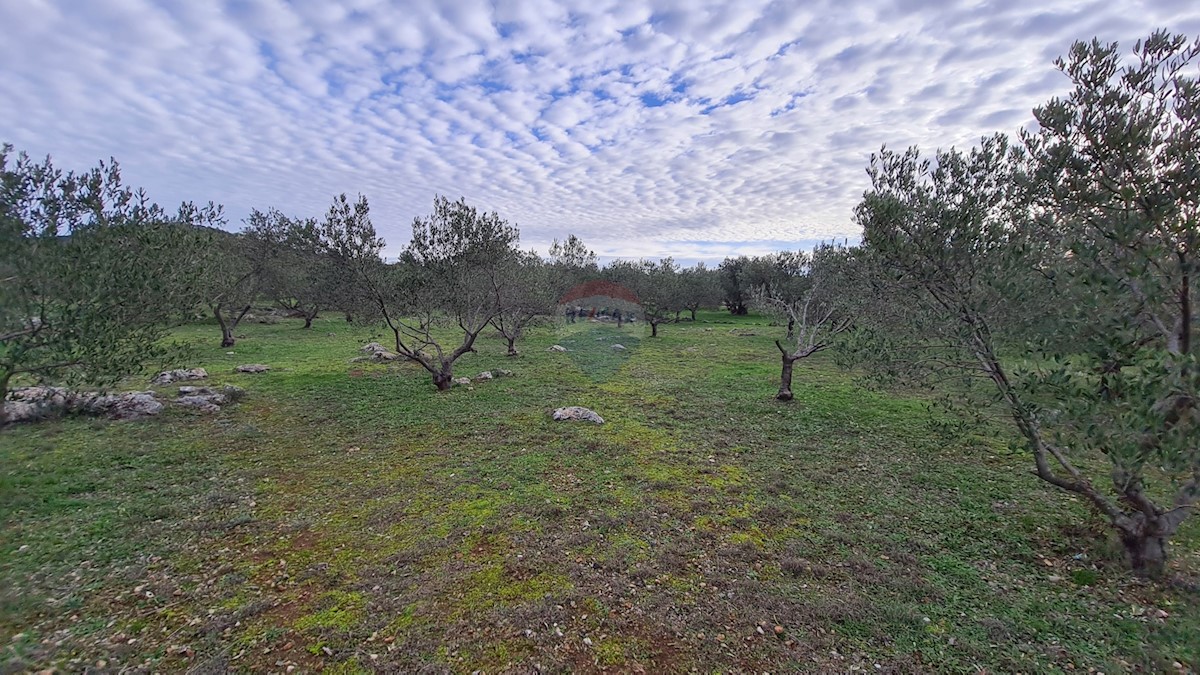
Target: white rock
<point>577,413</point>
<point>179,375</point>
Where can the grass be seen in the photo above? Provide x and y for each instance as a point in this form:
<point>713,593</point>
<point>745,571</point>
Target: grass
<point>347,516</point>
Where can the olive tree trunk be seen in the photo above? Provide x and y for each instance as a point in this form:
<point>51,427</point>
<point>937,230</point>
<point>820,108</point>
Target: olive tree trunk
<point>785,378</point>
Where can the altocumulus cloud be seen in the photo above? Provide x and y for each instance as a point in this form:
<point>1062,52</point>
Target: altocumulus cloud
<point>683,127</point>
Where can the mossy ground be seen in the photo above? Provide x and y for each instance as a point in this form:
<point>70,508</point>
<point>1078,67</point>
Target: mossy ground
<point>348,516</point>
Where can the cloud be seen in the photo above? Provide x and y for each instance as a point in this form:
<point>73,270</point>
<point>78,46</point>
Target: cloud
<point>690,128</point>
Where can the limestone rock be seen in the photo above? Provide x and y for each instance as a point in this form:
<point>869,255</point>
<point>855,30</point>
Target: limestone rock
<point>619,347</point>
<point>464,381</point>
<point>179,375</point>
<point>252,368</point>
<point>485,375</point>
<point>577,414</point>
<point>130,405</point>
<point>556,348</point>
<point>208,399</point>
<point>27,404</point>
<point>377,352</point>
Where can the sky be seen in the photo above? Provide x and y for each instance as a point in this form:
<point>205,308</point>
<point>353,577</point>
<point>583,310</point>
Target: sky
<point>687,128</point>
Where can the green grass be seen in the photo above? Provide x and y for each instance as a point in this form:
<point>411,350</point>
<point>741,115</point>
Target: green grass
<point>347,515</point>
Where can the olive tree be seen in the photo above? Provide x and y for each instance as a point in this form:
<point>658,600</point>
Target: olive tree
<point>92,273</point>
<point>656,284</point>
<point>1117,166</point>
<point>1062,274</point>
<point>300,277</point>
<point>525,290</point>
<point>236,270</point>
<point>807,293</point>
<point>699,287</point>
<point>734,289</point>
<point>446,280</point>
<point>571,263</point>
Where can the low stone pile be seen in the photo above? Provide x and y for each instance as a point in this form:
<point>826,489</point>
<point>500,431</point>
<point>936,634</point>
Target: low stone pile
<point>29,404</point>
<point>26,404</point>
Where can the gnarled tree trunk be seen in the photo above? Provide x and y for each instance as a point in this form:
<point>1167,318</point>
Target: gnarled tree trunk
<point>785,378</point>
<point>443,379</point>
<point>228,325</point>
<point>1147,551</point>
<point>512,345</point>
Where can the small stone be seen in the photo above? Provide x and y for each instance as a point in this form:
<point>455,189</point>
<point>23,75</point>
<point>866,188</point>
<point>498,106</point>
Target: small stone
<point>779,630</point>
<point>619,347</point>
<point>556,348</point>
<point>587,641</point>
<point>252,368</point>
